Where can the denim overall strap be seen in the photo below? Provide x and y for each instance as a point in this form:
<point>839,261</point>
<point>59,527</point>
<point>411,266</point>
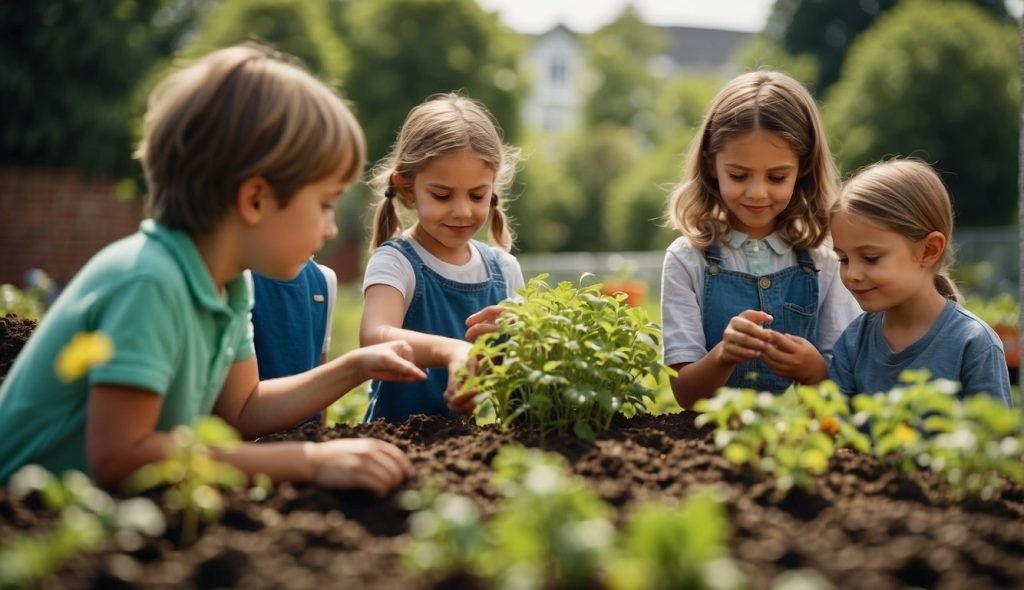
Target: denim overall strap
<point>439,306</point>
<point>790,296</point>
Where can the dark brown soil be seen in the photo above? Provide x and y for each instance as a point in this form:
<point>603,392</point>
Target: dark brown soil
<point>14,332</point>
<point>864,526</point>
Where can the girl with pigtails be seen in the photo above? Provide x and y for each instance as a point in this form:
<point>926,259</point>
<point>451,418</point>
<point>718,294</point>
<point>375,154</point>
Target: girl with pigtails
<point>432,284</point>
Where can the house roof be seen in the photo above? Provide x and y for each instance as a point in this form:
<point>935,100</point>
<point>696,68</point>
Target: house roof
<point>693,48</point>
<point>704,49</point>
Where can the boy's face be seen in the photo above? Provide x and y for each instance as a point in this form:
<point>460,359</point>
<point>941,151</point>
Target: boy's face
<point>756,174</point>
<point>293,234</point>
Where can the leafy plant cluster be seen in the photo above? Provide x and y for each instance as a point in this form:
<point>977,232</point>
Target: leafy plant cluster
<point>975,445</point>
<point>791,436</point>
<point>553,531</point>
<point>1001,310</point>
<point>194,478</point>
<point>566,357</point>
<point>88,516</point>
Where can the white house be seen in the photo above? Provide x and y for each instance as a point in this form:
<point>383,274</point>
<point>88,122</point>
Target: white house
<point>556,65</point>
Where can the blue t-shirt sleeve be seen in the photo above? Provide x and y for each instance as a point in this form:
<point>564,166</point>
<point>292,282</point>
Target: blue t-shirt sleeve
<point>984,370</point>
<point>138,319</point>
<point>840,367</point>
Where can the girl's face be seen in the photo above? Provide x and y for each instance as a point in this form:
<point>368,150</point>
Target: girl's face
<point>452,198</point>
<point>756,174</point>
<point>882,268</point>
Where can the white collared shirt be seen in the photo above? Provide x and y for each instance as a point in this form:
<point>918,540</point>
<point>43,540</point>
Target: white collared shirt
<point>682,290</point>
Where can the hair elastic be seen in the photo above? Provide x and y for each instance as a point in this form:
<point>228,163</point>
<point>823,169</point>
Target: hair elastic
<point>389,192</point>
<point>494,199</point>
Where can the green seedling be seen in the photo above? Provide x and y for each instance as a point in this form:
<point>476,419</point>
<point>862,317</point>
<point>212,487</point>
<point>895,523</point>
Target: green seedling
<point>88,516</point>
<point>681,546</point>
<point>976,445</point>
<point>550,530</point>
<point>791,435</point>
<point>448,534</point>
<point>566,358</point>
<point>194,476</point>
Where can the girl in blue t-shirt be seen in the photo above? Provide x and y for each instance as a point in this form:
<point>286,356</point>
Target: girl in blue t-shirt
<point>427,284</point>
<point>891,229</point>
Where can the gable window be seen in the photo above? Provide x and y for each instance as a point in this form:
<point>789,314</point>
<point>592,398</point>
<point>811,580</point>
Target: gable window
<point>558,70</point>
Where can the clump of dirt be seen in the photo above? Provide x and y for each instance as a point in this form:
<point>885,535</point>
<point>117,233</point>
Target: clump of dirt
<point>14,332</point>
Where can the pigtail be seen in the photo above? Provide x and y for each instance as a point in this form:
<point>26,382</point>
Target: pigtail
<point>386,223</point>
<point>501,232</point>
<point>946,287</point>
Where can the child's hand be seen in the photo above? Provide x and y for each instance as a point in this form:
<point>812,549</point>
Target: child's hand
<point>359,463</point>
<point>389,361</point>
<point>744,338</point>
<point>460,404</point>
<point>794,358</point>
<point>483,321</point>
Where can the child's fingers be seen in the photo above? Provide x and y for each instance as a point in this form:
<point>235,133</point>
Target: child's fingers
<point>488,315</point>
<point>756,316</point>
<point>477,330</point>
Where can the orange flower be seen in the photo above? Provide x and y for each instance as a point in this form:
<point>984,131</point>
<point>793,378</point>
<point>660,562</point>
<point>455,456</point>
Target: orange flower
<point>829,426</point>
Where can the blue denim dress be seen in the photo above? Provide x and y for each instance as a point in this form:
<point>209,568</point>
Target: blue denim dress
<point>439,306</point>
<point>790,296</point>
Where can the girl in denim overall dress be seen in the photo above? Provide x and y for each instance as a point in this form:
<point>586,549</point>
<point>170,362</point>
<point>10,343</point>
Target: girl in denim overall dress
<point>428,284</point>
<point>751,295</point>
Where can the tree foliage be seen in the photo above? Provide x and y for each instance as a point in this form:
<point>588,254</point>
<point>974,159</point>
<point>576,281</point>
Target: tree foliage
<point>621,84</point>
<point>67,74</point>
<point>300,28</point>
<point>547,199</point>
<point>942,85</point>
<point>827,28</point>
<point>407,50</point>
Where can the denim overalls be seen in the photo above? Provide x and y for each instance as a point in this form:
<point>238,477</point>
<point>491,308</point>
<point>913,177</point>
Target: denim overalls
<point>439,306</point>
<point>289,320</point>
<point>790,296</point>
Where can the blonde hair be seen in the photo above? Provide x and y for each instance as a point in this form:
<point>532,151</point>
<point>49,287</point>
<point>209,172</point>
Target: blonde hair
<point>906,197</point>
<point>767,101</point>
<point>444,124</point>
<point>237,113</point>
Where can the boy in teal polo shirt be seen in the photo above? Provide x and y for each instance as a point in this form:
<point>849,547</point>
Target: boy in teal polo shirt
<point>244,155</point>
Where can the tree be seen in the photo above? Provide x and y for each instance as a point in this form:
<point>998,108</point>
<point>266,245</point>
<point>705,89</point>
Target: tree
<point>942,85</point>
<point>636,202</point>
<point>827,28</point>
<point>406,50</point>
<point>68,71</point>
<point>621,83</point>
<point>300,28</point>
<point>546,200</point>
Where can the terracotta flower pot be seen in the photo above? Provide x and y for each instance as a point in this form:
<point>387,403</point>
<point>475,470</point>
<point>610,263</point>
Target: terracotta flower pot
<point>1011,344</point>
<point>636,291</point>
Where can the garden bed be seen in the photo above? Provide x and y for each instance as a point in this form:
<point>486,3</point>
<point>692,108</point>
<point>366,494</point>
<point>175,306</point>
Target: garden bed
<point>863,526</point>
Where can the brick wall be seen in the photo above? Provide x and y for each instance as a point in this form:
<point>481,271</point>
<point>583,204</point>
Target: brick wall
<point>56,221</point>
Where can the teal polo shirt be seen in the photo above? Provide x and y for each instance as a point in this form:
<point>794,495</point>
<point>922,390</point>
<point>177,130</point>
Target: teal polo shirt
<point>173,335</point>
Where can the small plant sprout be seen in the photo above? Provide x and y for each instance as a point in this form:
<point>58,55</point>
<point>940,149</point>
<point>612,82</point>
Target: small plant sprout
<point>448,534</point>
<point>193,475</point>
<point>85,351</point>
<point>567,358</point>
<point>681,546</point>
<point>88,516</point>
<point>552,526</point>
<point>791,435</point>
<point>976,445</point>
